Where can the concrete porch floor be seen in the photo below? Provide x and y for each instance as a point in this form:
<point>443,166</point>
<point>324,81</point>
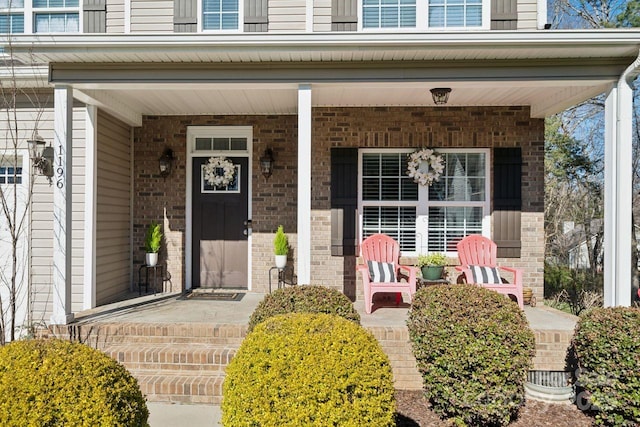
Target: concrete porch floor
<point>173,308</point>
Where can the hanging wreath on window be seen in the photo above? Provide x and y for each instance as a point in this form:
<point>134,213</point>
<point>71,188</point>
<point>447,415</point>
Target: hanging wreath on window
<point>425,166</point>
<point>219,172</point>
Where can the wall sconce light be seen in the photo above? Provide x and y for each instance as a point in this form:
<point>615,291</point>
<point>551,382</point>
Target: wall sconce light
<point>165,161</point>
<point>41,155</point>
<point>266,163</point>
<point>440,95</point>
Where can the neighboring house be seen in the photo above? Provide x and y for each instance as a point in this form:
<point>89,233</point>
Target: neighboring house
<point>339,91</point>
<point>574,241</point>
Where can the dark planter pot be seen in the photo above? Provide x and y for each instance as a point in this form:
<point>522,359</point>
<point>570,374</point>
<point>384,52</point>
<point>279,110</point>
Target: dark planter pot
<point>432,272</point>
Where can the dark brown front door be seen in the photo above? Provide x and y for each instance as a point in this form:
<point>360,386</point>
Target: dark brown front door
<point>220,246</point>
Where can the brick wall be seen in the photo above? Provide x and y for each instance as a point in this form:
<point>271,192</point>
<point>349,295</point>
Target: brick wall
<point>274,200</point>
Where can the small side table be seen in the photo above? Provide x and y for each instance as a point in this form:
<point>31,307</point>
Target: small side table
<point>157,274</point>
<point>282,277</point>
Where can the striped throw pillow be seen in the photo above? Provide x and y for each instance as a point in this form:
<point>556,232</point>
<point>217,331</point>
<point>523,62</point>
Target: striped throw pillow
<point>381,271</point>
<point>482,274</point>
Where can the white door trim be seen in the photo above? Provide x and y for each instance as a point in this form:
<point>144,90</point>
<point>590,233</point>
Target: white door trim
<point>210,131</point>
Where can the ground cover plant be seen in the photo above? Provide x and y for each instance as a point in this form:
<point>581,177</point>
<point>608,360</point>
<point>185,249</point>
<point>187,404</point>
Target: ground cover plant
<point>306,369</point>
<point>304,299</point>
<point>59,383</point>
<point>473,348</point>
<point>606,347</point>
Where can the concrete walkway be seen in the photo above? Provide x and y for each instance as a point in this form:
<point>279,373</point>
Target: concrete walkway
<point>177,415</point>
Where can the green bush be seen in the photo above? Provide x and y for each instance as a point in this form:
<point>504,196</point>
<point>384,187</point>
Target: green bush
<point>281,242</point>
<point>153,238</point>
<point>606,345</point>
<point>304,369</point>
<point>473,347</point>
<point>304,299</point>
<point>58,383</point>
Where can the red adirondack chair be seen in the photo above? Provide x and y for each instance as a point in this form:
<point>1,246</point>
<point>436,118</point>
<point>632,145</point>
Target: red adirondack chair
<point>381,268</point>
<point>478,264</point>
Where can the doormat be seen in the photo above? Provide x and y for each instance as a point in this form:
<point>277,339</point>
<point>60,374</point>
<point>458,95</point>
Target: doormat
<point>214,296</point>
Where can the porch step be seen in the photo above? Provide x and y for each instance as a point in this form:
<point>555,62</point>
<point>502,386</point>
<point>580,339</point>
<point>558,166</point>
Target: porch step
<point>180,387</point>
<point>196,358</point>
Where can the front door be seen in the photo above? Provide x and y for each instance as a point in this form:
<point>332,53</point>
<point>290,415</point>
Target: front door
<point>219,244</point>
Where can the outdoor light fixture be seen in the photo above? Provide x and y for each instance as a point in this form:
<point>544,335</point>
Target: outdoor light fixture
<point>440,95</point>
<point>266,163</point>
<point>165,161</point>
<point>41,155</point>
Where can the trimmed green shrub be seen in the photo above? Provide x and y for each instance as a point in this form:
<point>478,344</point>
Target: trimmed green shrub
<point>281,242</point>
<point>153,238</point>
<point>59,383</point>
<point>304,369</point>
<point>473,348</point>
<point>304,299</point>
<point>606,345</point>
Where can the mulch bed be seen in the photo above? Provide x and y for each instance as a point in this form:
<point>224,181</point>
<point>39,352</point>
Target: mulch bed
<point>414,410</point>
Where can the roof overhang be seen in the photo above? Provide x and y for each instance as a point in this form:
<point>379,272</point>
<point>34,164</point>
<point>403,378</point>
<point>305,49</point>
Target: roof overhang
<point>166,74</point>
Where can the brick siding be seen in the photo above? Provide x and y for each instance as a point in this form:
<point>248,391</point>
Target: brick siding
<point>274,200</point>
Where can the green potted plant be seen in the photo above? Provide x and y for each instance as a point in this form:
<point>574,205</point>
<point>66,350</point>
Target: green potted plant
<point>432,265</point>
<point>281,247</point>
<point>152,241</point>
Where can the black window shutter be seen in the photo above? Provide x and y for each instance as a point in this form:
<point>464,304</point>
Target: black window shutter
<point>344,201</point>
<point>504,14</point>
<point>507,201</point>
<point>344,15</point>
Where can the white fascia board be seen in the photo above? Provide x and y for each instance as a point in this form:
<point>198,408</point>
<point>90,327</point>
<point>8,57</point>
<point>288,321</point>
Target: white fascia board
<point>519,39</point>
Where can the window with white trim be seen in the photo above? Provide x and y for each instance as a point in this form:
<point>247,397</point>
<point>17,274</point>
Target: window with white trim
<point>220,15</point>
<point>424,219</point>
<point>10,174</point>
<point>11,16</point>
<point>56,16</point>
<point>425,14</point>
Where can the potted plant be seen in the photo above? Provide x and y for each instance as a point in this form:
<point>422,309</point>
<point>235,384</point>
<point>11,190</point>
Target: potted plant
<point>281,247</point>
<point>432,265</point>
<point>152,242</point>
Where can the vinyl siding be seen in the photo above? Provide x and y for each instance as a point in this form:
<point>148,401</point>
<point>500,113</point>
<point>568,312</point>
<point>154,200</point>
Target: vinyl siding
<point>527,14</point>
<point>113,214</point>
<point>151,16</point>
<point>322,15</point>
<point>42,218</point>
<point>115,16</point>
<point>287,15</point>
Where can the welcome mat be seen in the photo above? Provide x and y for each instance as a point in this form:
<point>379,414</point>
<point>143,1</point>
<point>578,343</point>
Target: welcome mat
<point>214,296</point>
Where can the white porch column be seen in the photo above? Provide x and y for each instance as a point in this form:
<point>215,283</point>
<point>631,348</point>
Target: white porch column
<point>63,125</point>
<point>618,192</point>
<point>304,184</point>
<point>90,203</point>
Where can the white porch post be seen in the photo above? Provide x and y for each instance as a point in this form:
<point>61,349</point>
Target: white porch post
<point>304,184</point>
<point>63,125</point>
<point>618,194</point>
<point>90,202</point>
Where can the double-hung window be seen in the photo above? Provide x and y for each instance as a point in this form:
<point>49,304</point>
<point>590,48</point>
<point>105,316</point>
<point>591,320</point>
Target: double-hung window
<point>221,15</point>
<point>424,219</point>
<point>425,14</point>
<point>56,16</point>
<point>11,16</point>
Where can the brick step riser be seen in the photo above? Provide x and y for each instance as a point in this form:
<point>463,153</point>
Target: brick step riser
<point>172,359</point>
<point>173,387</point>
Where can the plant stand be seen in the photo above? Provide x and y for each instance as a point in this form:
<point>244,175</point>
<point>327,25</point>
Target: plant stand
<point>285,277</point>
<point>157,273</point>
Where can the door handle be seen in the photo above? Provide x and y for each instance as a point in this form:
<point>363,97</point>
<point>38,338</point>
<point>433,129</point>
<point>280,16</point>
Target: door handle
<point>247,227</point>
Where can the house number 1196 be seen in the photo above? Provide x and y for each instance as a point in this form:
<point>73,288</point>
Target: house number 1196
<point>60,169</point>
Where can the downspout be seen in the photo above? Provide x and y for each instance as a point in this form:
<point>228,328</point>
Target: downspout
<point>618,205</point>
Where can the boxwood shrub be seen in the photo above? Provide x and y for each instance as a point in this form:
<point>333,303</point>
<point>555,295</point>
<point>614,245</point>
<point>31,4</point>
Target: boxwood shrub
<point>305,369</point>
<point>473,348</point>
<point>58,383</point>
<point>304,299</point>
<point>606,345</point>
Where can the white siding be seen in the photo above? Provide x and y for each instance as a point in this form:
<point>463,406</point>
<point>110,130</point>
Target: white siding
<point>151,16</point>
<point>287,15</point>
<point>527,14</point>
<point>321,15</point>
<point>113,215</point>
<point>115,16</point>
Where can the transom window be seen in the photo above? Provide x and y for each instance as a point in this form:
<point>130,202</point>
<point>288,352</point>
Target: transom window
<point>220,14</point>
<point>425,14</point>
<point>221,144</point>
<point>424,219</point>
